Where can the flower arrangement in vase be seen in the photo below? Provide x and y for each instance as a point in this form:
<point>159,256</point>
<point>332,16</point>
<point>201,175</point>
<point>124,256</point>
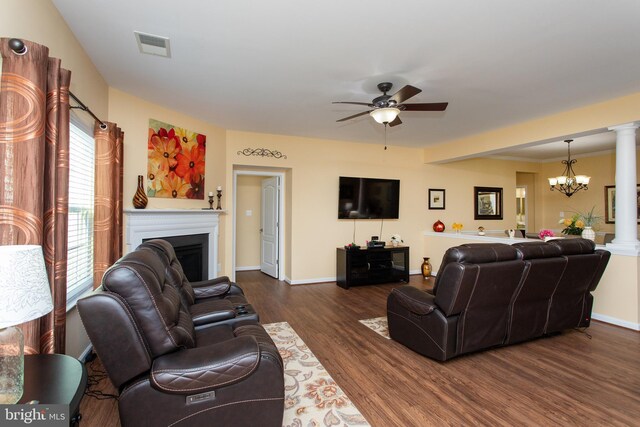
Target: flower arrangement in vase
<point>457,227</point>
<point>546,234</point>
<point>572,226</point>
<point>589,219</point>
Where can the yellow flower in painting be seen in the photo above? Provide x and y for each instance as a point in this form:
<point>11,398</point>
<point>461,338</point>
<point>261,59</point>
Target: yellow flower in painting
<point>156,172</point>
<point>173,187</point>
<point>164,148</point>
<point>186,137</point>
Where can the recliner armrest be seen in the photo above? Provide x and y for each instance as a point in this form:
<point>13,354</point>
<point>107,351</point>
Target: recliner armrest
<point>206,368</point>
<point>415,300</point>
<point>211,288</point>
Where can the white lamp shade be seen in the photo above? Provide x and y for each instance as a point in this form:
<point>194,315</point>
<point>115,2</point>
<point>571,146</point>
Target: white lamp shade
<point>552,181</point>
<point>385,115</point>
<point>586,180</point>
<point>24,287</point>
<point>562,180</point>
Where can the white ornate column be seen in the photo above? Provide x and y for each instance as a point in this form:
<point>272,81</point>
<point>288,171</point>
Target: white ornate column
<point>626,197</point>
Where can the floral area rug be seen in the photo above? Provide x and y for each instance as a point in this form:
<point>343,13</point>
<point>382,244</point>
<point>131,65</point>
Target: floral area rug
<point>312,398</point>
<point>378,325</point>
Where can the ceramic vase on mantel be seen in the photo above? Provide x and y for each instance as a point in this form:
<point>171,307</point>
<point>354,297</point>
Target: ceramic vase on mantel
<point>588,233</point>
<point>140,199</point>
<point>426,267</point>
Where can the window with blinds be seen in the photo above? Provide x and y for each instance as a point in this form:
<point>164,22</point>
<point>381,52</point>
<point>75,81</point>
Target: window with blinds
<point>81,190</point>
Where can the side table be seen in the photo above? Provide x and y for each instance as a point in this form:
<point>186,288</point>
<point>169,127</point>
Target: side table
<point>55,379</point>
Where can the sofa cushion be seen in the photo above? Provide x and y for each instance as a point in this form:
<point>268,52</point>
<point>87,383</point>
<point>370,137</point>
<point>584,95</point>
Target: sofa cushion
<point>574,246</point>
<point>538,249</point>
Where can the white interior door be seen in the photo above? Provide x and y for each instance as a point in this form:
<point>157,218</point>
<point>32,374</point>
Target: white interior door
<point>269,227</point>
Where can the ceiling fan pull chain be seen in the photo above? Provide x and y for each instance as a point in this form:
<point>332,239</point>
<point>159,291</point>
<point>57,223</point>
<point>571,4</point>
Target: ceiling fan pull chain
<point>385,136</point>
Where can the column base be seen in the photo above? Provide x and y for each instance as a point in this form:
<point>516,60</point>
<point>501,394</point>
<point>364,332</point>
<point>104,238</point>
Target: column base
<point>628,247</point>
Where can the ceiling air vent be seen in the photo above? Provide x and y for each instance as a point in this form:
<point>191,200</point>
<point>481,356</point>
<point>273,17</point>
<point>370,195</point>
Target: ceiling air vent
<point>153,45</point>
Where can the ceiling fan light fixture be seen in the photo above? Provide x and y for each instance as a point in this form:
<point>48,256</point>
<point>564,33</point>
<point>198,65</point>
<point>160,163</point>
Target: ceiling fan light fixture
<point>385,115</point>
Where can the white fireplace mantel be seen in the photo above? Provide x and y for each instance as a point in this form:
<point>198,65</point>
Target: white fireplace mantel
<point>142,224</point>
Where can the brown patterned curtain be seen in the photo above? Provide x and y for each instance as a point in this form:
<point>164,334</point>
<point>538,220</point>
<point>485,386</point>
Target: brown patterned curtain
<point>34,159</point>
<point>107,235</point>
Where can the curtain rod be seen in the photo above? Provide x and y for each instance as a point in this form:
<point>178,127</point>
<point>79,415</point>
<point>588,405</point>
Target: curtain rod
<point>18,47</point>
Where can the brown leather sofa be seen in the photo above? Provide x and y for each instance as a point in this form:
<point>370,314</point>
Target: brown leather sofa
<point>209,301</point>
<point>492,294</point>
<point>166,371</point>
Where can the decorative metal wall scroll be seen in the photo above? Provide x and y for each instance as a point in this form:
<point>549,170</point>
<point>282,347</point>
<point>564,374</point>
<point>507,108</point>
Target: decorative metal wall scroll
<point>262,152</point>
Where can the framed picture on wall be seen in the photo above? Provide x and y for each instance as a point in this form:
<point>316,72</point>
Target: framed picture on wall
<point>610,204</point>
<point>436,198</point>
<point>487,203</point>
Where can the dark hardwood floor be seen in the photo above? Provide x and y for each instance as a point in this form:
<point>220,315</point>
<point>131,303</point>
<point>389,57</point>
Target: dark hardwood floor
<point>569,379</point>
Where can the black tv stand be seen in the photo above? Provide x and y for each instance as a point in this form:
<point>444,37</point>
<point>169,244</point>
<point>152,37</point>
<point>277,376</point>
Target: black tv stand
<point>370,266</point>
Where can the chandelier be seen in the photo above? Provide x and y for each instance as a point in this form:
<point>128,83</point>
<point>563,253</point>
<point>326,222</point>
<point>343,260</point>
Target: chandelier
<point>569,183</point>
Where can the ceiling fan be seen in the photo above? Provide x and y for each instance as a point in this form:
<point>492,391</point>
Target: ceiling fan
<point>387,107</point>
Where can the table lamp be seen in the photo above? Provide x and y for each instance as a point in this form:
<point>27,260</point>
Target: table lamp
<point>24,295</point>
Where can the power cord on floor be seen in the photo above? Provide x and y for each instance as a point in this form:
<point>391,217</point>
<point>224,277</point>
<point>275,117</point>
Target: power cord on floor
<point>95,380</point>
<point>584,331</point>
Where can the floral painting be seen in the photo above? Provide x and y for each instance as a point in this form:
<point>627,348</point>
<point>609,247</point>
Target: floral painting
<point>176,160</point>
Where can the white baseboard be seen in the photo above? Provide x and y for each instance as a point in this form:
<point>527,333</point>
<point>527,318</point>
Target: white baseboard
<point>249,268</point>
<point>309,281</point>
<point>414,272</point>
<point>85,353</point>
<point>615,321</point>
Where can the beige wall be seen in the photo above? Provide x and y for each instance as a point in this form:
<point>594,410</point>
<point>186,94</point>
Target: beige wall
<point>315,165</point>
<point>592,118</point>
<point>459,180</point>
<point>132,115</point>
<point>248,198</point>
<point>40,22</point>
<point>528,180</point>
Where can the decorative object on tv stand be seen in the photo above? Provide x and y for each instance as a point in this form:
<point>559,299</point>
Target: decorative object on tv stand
<point>262,152</point>
<point>569,183</point>
<point>396,240</point>
<point>457,227</point>
<point>211,200</point>
<point>140,199</point>
<point>481,231</point>
<point>438,226</point>
<point>219,190</point>
<point>426,267</point>
<point>24,295</point>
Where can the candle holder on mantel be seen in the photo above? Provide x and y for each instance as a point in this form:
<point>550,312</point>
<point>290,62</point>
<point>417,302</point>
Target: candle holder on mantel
<point>211,201</point>
<point>219,207</point>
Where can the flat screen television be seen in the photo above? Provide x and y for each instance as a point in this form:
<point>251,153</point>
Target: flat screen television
<point>368,198</point>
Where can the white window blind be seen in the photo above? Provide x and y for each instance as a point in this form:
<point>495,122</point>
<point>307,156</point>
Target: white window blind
<point>81,191</point>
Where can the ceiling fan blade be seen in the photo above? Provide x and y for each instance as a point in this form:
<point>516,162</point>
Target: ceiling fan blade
<point>353,103</point>
<point>405,93</point>
<point>432,106</point>
<point>354,116</point>
<point>395,122</point>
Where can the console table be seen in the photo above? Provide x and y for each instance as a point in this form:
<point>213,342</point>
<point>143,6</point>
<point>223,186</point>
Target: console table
<point>55,378</point>
<point>370,266</point>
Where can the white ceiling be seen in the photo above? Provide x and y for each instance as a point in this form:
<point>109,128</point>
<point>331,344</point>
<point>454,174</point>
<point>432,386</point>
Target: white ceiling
<point>275,67</point>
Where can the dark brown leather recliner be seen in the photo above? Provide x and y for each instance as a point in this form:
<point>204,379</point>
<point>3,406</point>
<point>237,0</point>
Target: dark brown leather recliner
<point>209,301</point>
<point>491,294</point>
<point>168,373</point>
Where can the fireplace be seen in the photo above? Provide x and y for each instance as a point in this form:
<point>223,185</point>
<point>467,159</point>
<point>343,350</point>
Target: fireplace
<point>193,253</point>
<point>170,224</point>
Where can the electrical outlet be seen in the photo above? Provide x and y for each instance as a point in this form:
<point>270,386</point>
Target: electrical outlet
<point>562,214</point>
